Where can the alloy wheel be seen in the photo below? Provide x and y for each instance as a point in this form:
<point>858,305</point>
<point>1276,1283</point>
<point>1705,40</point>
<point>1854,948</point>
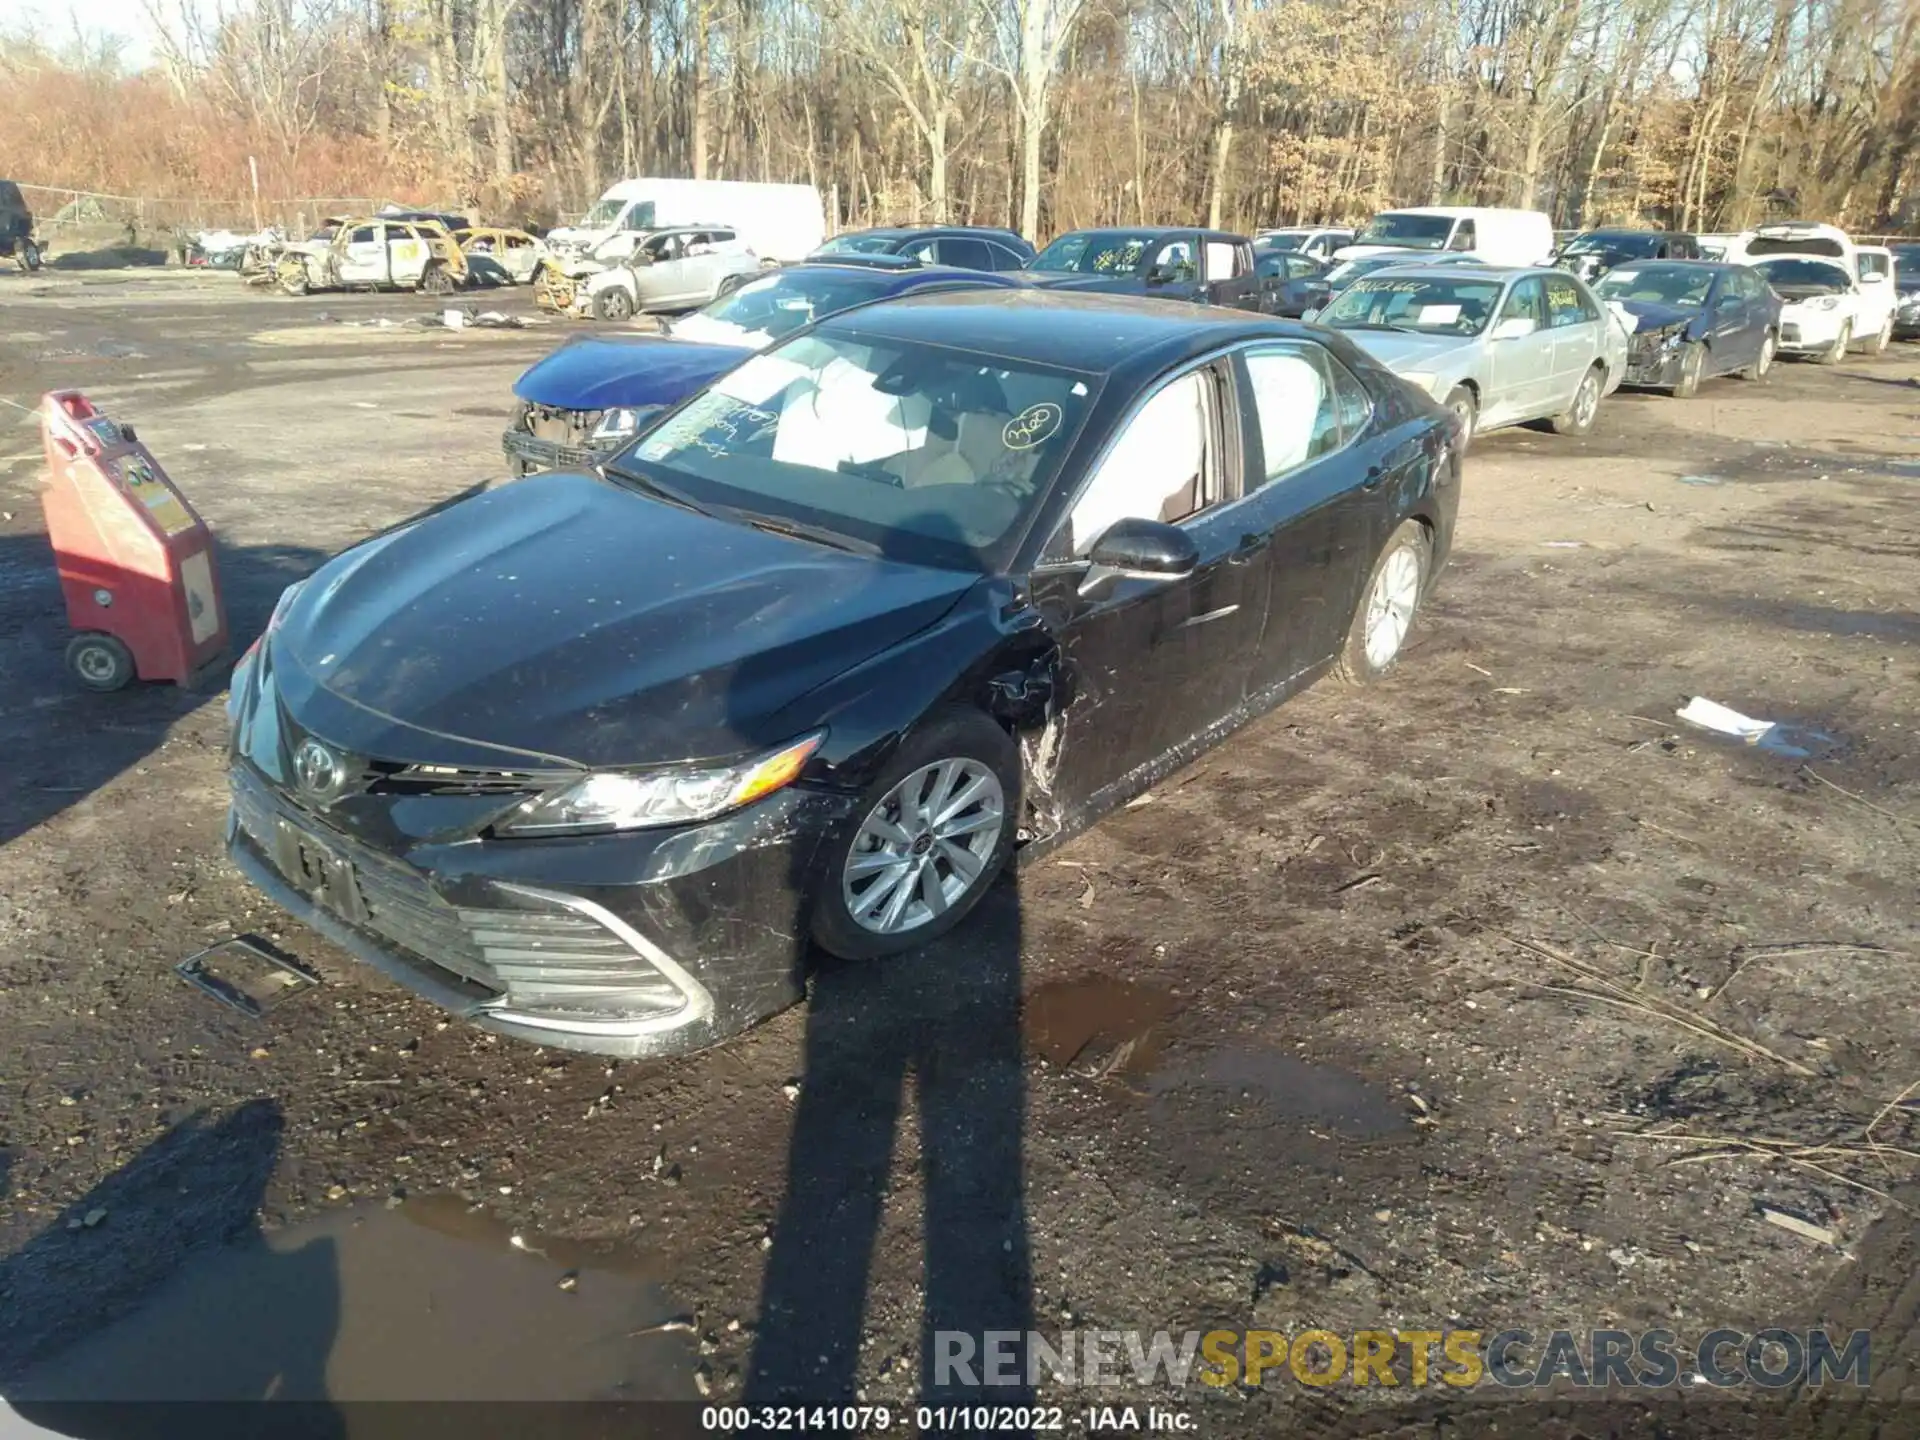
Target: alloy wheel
<point>924,846</point>
<point>1586,402</point>
<point>1765,363</point>
<point>1390,606</point>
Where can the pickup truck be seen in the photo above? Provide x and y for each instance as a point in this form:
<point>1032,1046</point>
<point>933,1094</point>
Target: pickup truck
<point>1165,262</point>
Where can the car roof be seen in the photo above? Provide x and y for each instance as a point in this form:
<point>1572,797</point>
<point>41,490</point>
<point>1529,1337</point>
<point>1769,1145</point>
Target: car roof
<point>910,275</point>
<point>1151,230</point>
<point>1068,330</point>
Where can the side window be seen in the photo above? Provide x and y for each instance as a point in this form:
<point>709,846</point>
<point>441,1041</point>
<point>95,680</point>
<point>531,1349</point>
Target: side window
<point>1294,404</point>
<point>1301,267</point>
<point>1350,401</point>
<point>1222,260</point>
<point>1524,302</point>
<point>1565,305</point>
<point>1005,259</point>
<point>1873,267</point>
<point>921,250</point>
<point>967,253</point>
<point>638,216</point>
<point>1463,236</point>
<point>364,235</point>
<point>1175,260</point>
<point>1159,469</point>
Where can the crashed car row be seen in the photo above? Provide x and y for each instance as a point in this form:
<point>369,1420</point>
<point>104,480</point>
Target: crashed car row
<point>868,575</point>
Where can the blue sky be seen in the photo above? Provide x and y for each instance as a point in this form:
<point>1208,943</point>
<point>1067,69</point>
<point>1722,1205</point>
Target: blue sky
<point>53,21</point>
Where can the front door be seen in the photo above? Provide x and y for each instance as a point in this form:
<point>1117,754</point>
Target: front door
<point>1521,365</point>
<point>407,254</point>
<point>1173,269</point>
<point>1733,331</point>
<point>363,259</point>
<point>1150,664</point>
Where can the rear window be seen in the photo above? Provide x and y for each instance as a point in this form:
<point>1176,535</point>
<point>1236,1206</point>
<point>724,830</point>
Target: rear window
<point>1782,245</point>
<point>1820,275</point>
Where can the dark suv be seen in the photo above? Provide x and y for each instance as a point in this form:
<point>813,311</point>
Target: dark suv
<point>16,227</point>
<point>966,247</point>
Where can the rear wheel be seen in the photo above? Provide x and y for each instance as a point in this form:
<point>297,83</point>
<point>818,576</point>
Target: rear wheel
<point>1878,345</point>
<point>293,279</point>
<point>29,255</point>
<point>436,279</point>
<point>1577,418</point>
<point>100,662</point>
<point>1837,351</point>
<point>613,303</point>
<point>1763,362</point>
<point>729,284</point>
<point>935,828</point>
<point>1466,410</point>
<point>1693,365</point>
<point>1387,606</point>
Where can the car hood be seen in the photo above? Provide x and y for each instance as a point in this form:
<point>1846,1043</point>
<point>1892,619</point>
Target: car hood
<point>566,618</point>
<point>1400,352</point>
<point>629,370</point>
<point>1084,284</point>
<point>1652,315</point>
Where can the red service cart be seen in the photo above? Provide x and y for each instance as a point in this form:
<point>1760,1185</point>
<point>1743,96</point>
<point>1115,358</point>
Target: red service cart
<point>135,560</point>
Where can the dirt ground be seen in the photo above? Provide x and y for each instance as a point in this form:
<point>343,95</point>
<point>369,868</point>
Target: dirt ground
<point>1396,1010</point>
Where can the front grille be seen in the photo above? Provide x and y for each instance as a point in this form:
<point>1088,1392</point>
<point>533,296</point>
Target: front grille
<point>392,778</point>
<point>547,454</point>
<point>542,954</point>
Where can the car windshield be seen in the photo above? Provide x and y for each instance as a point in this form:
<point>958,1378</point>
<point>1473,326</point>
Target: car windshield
<point>774,306</point>
<point>602,215</point>
<point>923,453</point>
<point>1414,232</point>
<point>1906,259</point>
<point>1284,239</point>
<point>1613,242</point>
<point>1813,276</point>
<point>1661,284</point>
<point>1091,254</point>
<point>1348,270</point>
<point>1420,304</point>
<point>857,245</point>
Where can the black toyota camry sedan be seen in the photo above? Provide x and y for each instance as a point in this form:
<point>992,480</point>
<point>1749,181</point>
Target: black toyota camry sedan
<point>592,758</point>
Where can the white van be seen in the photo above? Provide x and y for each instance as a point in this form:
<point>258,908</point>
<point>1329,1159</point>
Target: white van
<point>776,222</point>
<point>1497,236</point>
<point>1874,299</point>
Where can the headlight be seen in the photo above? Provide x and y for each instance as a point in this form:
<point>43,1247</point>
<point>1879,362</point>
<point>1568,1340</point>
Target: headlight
<point>1824,302</point>
<point>621,424</point>
<point>674,795</point>
<point>282,605</point>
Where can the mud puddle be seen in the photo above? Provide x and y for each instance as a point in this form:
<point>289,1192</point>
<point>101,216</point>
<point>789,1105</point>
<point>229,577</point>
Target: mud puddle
<point>1101,1027</point>
<point>426,1301</point>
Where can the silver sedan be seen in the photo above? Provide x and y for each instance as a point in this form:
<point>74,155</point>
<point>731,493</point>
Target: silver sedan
<point>1496,346</point>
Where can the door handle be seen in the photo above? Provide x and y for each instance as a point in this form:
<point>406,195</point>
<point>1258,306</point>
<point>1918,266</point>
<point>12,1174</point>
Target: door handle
<point>1250,546</point>
<point>1375,474</point>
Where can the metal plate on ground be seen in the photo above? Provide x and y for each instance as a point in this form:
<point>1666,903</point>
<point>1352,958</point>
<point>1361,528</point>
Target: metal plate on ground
<point>246,973</point>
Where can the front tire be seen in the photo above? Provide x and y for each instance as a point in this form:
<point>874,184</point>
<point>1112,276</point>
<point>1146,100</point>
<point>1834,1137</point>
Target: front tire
<point>1763,363</point>
<point>1387,606</point>
<point>613,303</point>
<point>436,279</point>
<point>1693,366</point>
<point>1837,351</point>
<point>932,832</point>
<point>1878,345</point>
<point>1578,417</point>
<point>29,255</point>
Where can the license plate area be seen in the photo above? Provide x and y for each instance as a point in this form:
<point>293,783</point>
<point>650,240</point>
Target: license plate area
<point>318,871</point>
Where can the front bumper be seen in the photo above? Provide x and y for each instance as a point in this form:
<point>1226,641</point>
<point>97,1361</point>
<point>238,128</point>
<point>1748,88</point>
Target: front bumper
<point>1810,332</point>
<point>546,437</point>
<point>534,453</point>
<point>1651,363</point>
<point>642,943</point>
<point>1906,317</point>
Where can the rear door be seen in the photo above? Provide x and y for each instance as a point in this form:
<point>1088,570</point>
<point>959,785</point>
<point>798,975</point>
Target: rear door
<point>965,252</point>
<point>1522,367</point>
<point>1318,488</point>
<point>1578,339</point>
<point>1733,330</point>
<point>1152,663</point>
<point>407,254</point>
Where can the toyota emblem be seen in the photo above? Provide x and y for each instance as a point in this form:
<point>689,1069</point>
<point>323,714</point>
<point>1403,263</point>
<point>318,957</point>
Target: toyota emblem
<point>317,770</point>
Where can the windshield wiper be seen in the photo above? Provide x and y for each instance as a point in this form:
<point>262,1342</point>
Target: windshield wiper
<point>818,534</point>
<point>1379,325</point>
<point>659,490</point>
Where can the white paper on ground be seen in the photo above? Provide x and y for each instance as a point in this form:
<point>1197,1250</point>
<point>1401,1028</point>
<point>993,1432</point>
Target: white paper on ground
<point>1712,715</point>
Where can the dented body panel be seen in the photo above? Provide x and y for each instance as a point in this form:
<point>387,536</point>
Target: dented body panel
<point>443,675</point>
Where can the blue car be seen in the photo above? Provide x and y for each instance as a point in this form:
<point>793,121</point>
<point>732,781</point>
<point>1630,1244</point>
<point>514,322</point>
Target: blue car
<point>587,399</point>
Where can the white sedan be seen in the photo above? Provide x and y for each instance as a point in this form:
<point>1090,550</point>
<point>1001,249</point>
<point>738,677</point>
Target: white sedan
<point>1820,311</point>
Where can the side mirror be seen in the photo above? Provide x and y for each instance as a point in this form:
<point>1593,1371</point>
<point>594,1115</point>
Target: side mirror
<point>1514,327</point>
<point>1145,549</point>
<point>1160,275</point>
